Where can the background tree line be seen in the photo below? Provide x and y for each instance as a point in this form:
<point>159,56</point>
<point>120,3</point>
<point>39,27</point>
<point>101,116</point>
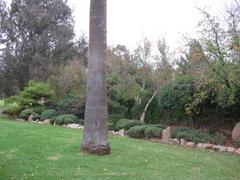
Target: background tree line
<point>201,86</point>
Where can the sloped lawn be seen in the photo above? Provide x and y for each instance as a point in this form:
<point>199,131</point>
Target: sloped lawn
<point>30,151</point>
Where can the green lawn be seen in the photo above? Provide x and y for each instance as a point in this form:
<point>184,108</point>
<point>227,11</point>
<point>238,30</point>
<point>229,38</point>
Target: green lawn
<point>30,151</point>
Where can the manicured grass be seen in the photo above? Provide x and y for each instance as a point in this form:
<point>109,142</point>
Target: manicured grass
<point>30,151</point>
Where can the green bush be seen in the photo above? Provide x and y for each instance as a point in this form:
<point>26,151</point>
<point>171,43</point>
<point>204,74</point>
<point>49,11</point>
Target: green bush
<point>67,119</point>
<point>237,143</point>
<point>153,132</point>
<point>35,116</point>
<point>137,131</point>
<point>39,109</point>
<point>114,118</point>
<point>194,136</point>
<point>12,111</point>
<point>127,124</point>
<point>110,126</point>
<point>162,126</point>
<point>25,114</point>
<point>48,114</point>
<point>219,138</point>
<point>177,130</point>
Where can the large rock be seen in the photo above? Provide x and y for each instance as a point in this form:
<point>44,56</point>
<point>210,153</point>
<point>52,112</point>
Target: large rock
<point>166,135</point>
<point>236,132</point>
<point>200,146</point>
<point>190,144</point>
<point>183,142</point>
<point>208,146</point>
<point>219,148</point>
<point>73,126</point>
<point>121,132</point>
<point>237,151</point>
<point>230,149</point>
<point>30,118</point>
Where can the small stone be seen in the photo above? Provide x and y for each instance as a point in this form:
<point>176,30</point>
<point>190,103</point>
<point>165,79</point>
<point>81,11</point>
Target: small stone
<point>208,146</point>
<point>219,148</point>
<point>237,151</point>
<point>190,144</point>
<point>200,146</point>
<point>182,142</point>
<point>174,141</point>
<point>230,149</point>
<point>73,126</point>
<point>166,135</point>
<point>121,132</point>
<point>81,127</point>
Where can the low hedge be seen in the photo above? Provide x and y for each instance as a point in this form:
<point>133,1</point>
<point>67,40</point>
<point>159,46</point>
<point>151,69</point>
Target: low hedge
<point>137,131</point>
<point>153,132</point>
<point>48,114</point>
<point>66,119</point>
<point>24,114</point>
<point>127,124</point>
<point>219,138</point>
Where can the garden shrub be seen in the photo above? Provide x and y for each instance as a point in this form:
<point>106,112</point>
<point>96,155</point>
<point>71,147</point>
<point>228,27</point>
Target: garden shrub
<point>39,109</point>
<point>194,136</point>
<point>237,144</point>
<point>110,126</point>
<point>12,111</point>
<point>25,114</point>
<point>162,126</point>
<point>177,130</point>
<point>48,114</point>
<point>153,132</point>
<point>127,124</point>
<point>35,116</point>
<point>137,131</point>
<point>114,118</point>
<point>219,138</point>
<point>67,119</point>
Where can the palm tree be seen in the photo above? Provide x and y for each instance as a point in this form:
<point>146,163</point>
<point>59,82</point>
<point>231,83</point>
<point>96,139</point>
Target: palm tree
<point>96,112</point>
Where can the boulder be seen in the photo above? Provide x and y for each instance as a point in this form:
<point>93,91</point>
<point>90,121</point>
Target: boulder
<point>182,142</point>
<point>219,148</point>
<point>230,149</point>
<point>166,135</point>
<point>200,146</point>
<point>236,132</point>
<point>46,121</point>
<point>174,141</point>
<point>30,118</point>
<point>190,144</point>
<point>237,151</point>
<point>121,132</point>
<point>208,146</point>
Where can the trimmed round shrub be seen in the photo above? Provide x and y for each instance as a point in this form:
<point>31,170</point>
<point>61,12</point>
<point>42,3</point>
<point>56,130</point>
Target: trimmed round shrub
<point>25,114</point>
<point>177,130</point>
<point>48,114</point>
<point>39,109</point>
<point>137,131</point>
<point>127,124</point>
<point>12,111</point>
<point>66,119</point>
<point>153,132</point>
<point>35,116</point>
<point>162,126</point>
<point>219,138</point>
<point>114,118</point>
<point>237,143</point>
<point>194,136</point>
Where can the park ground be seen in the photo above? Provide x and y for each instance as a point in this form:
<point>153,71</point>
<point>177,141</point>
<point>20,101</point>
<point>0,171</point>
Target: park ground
<point>31,151</point>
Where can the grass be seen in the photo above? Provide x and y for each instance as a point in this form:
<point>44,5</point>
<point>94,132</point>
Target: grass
<point>30,151</point>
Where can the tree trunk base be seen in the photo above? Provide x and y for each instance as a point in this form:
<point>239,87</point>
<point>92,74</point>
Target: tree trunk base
<point>98,150</point>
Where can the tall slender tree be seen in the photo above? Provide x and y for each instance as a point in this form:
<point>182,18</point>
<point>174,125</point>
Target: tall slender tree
<point>96,112</point>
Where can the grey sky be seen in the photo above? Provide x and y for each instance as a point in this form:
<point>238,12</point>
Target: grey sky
<point>129,20</point>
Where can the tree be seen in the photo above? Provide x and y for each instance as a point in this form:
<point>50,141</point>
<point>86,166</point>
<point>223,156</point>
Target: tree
<point>35,37</point>
<point>96,111</point>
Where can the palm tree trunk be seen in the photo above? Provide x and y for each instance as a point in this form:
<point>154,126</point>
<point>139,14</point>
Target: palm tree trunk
<point>96,112</point>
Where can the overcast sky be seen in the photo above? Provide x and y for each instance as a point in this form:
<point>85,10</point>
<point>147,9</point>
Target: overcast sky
<point>130,20</point>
